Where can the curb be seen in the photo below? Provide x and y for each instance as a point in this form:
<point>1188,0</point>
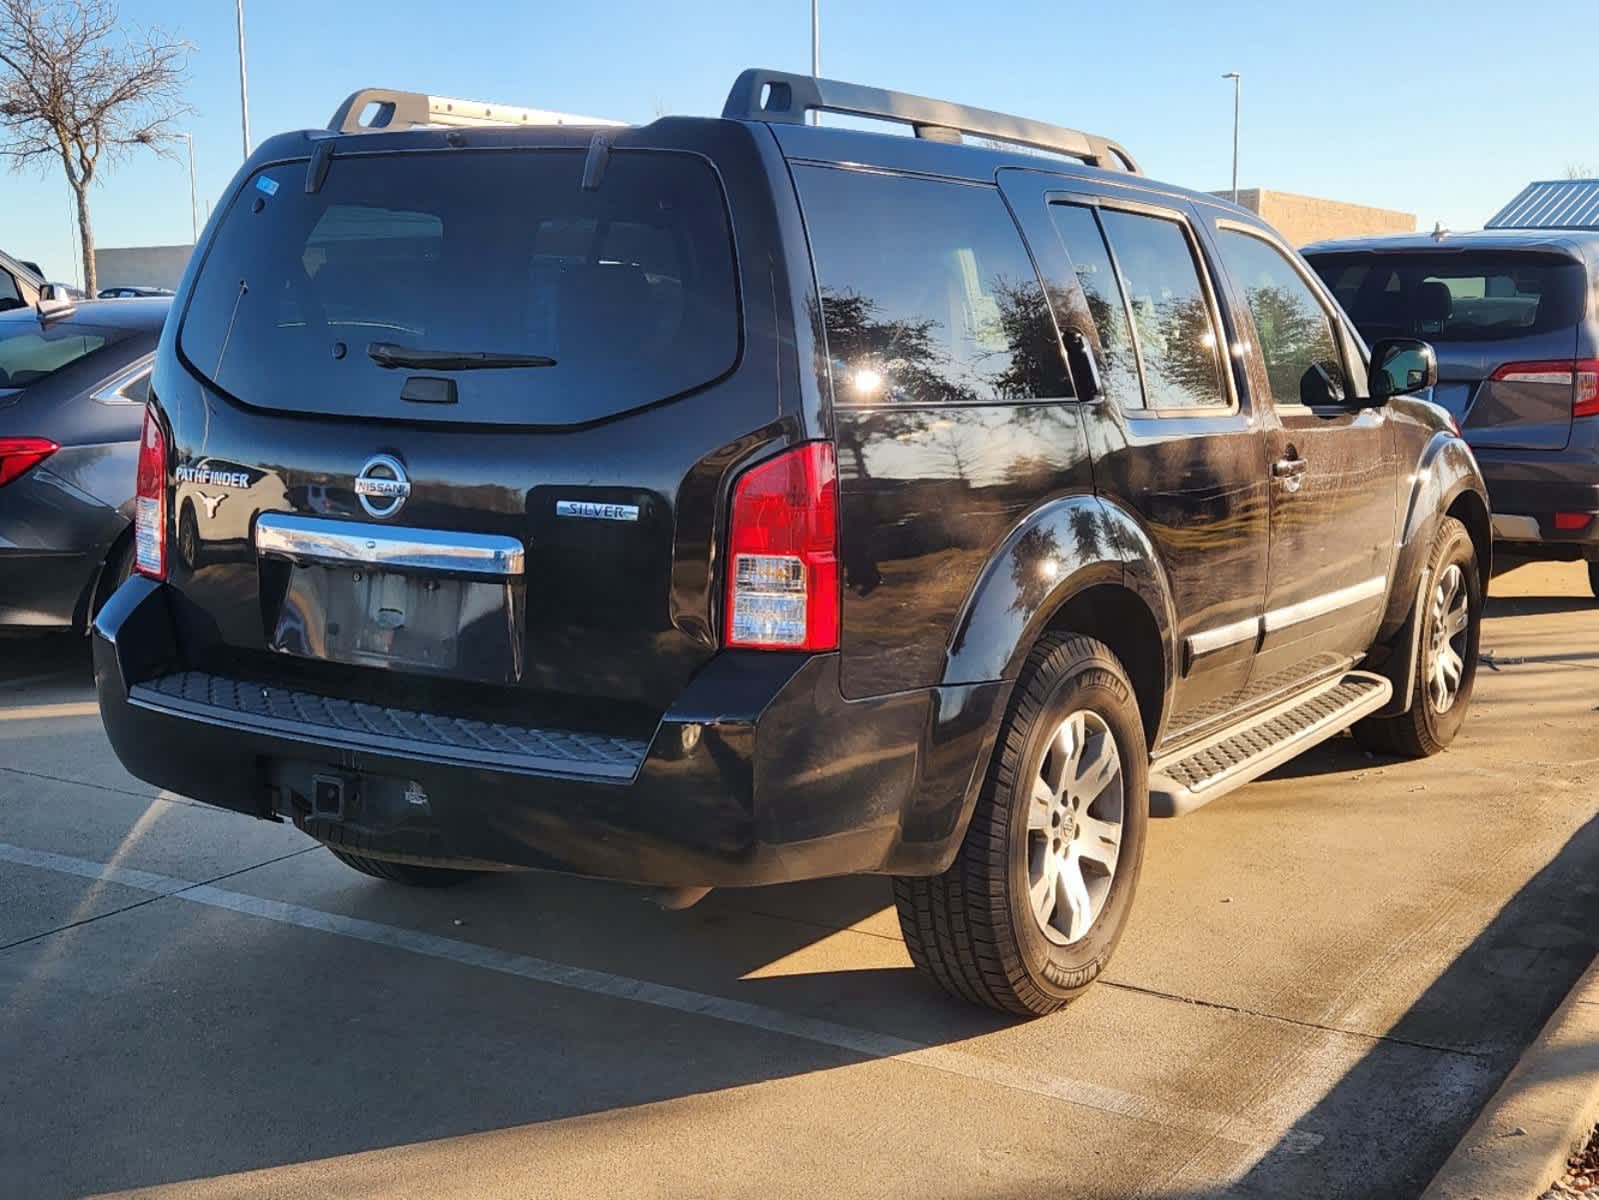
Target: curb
<point>1542,1113</point>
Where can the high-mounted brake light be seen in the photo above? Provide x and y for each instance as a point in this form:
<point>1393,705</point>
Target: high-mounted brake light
<point>19,455</point>
<point>1581,375</point>
<point>150,501</point>
<point>782,553</point>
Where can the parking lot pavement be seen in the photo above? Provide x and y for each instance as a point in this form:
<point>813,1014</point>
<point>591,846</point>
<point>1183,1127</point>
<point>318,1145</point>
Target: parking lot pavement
<point>1327,973</point>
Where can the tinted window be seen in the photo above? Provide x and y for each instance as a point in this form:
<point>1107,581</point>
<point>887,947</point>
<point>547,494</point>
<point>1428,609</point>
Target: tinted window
<point>28,354</point>
<point>10,296</point>
<point>1176,336</point>
<point>1292,327</point>
<point>928,295</point>
<point>629,287</point>
<point>1455,296</point>
<point>1118,365</point>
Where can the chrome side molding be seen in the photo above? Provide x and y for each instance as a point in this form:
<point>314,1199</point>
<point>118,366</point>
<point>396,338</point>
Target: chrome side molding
<point>317,539</point>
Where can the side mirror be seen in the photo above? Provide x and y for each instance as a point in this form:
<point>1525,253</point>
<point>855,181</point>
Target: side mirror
<point>55,300</point>
<point>1401,367</point>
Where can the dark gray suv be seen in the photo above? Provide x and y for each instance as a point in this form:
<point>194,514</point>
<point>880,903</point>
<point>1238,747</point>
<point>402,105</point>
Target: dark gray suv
<point>1512,315</point>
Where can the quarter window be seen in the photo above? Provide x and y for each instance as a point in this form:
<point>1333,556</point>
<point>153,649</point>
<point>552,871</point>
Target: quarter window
<point>1177,337</point>
<point>928,294</point>
<point>1291,324</point>
<point>1096,275</point>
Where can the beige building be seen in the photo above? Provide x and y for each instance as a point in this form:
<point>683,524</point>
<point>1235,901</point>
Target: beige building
<point>1305,219</point>
<point>141,266</point>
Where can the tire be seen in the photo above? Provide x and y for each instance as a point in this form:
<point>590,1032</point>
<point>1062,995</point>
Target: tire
<point>410,874</point>
<point>973,928</point>
<point>1425,727</point>
<point>116,571</point>
<point>1593,576</point>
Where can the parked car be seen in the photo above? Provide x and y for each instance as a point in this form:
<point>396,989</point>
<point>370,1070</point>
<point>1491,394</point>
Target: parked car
<point>735,501</point>
<point>125,292</point>
<point>1514,315</point>
<point>73,384</point>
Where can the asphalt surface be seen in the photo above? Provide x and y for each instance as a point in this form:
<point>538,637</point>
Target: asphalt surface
<point>1327,974</point>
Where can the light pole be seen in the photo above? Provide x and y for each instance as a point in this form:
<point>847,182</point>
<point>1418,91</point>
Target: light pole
<point>194,192</point>
<point>244,88</point>
<point>1237,83</point>
<point>816,48</point>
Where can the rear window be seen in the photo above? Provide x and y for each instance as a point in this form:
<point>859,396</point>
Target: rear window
<point>628,287</point>
<point>1453,296</point>
<point>928,293</point>
<point>32,353</point>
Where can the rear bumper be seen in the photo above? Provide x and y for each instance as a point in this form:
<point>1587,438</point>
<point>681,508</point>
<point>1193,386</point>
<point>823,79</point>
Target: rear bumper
<point>42,591</point>
<point>1526,493</point>
<point>760,773</point>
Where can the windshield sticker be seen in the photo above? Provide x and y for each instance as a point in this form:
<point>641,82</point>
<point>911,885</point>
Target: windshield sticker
<point>267,185</point>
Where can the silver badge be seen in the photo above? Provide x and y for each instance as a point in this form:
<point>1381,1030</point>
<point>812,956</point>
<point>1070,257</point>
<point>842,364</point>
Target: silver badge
<point>596,512</point>
<point>382,487</point>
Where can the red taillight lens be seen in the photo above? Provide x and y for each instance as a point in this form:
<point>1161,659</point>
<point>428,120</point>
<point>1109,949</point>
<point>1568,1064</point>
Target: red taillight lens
<point>782,553</point>
<point>1572,522</point>
<point>19,455</point>
<point>150,501</point>
<point>1580,375</point>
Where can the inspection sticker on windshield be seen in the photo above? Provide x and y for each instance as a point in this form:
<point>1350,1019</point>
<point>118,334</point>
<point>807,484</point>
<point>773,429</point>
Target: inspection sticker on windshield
<point>596,512</point>
<point>267,185</point>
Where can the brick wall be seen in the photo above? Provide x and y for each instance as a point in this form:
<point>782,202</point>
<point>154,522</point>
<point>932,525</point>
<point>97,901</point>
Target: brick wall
<point>1303,219</point>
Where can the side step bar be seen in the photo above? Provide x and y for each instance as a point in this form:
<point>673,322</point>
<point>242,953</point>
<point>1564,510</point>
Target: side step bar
<point>1194,775</point>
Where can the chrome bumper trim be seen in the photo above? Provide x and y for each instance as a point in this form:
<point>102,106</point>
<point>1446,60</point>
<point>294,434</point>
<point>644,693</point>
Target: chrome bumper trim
<point>314,539</point>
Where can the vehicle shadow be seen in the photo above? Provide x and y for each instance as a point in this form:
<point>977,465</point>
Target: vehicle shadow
<point>1537,606</point>
<point>1509,980</point>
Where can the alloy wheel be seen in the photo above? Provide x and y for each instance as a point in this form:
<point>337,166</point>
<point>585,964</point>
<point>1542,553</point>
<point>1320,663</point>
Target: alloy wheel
<point>1074,827</point>
<point>1448,626</point>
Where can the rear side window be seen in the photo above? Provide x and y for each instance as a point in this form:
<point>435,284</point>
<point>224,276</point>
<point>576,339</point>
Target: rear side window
<point>10,296</point>
<point>31,354</point>
<point>1096,275</point>
<point>928,293</point>
<point>630,287</point>
<point>1292,327</point>
<point>1456,296</point>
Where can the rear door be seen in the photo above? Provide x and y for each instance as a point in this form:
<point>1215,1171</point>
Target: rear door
<point>1173,436</point>
<point>1496,317</point>
<point>1331,463</point>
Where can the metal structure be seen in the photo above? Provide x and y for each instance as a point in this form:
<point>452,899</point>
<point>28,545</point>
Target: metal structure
<point>244,87</point>
<point>1238,80</point>
<point>762,95</point>
<point>387,110</point>
<point>194,192</point>
<point>1551,204</point>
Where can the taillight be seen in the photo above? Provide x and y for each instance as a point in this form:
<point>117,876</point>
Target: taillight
<point>150,501</point>
<point>1581,375</point>
<point>19,455</point>
<point>782,553</point>
<point>1573,522</point>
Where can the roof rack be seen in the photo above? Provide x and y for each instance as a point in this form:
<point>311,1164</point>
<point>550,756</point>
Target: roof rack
<point>762,95</point>
<point>387,110</point>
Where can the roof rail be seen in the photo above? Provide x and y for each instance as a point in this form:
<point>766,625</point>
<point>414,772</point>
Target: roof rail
<point>762,95</point>
<point>406,110</point>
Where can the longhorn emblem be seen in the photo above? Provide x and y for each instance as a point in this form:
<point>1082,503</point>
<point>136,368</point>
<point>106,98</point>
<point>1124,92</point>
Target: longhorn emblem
<point>212,503</point>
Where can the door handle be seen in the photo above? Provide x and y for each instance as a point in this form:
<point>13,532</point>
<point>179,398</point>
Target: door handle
<point>1291,471</point>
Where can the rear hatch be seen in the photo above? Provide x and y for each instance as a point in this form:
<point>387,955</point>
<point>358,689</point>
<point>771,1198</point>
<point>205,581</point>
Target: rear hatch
<point>1498,319</point>
<point>526,349</point>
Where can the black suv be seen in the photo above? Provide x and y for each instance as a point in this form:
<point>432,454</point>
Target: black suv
<point>734,501</point>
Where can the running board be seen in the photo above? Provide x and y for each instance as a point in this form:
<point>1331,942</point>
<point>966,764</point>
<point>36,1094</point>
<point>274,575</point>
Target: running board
<point>1194,775</point>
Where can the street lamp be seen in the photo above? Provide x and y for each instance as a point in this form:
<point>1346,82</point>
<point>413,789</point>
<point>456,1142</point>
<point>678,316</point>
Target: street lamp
<point>1237,83</point>
<point>244,90</point>
<point>194,195</point>
<point>816,48</point>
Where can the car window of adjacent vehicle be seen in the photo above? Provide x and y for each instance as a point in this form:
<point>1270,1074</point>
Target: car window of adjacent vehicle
<point>1178,343</point>
<point>928,293</point>
<point>1456,295</point>
<point>629,286</point>
<point>29,354</point>
<point>1096,275</point>
<point>10,294</point>
<point>1292,326</point>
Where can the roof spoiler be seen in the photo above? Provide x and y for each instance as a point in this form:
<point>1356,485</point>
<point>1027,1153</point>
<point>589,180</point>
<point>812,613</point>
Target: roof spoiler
<point>763,95</point>
<point>384,110</point>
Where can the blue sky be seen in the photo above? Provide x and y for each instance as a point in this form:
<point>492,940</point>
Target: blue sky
<point>1420,107</point>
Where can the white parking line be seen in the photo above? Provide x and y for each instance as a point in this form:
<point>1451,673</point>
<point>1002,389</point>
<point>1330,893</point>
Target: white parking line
<point>1235,1129</point>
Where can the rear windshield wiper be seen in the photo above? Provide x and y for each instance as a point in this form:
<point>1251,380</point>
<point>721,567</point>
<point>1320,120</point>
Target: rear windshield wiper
<point>390,354</point>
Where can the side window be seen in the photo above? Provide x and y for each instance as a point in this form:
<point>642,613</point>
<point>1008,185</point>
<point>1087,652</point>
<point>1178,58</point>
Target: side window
<point>1177,338</point>
<point>10,296</point>
<point>928,293</point>
<point>1291,323</point>
<point>1096,274</point>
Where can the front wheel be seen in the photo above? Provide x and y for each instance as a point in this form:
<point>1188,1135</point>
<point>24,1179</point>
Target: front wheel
<point>1449,608</point>
<point>1028,914</point>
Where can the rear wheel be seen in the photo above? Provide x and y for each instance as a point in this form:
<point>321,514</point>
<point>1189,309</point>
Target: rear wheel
<point>1030,911</point>
<point>411,874</point>
<point>1593,575</point>
<point>1450,612</point>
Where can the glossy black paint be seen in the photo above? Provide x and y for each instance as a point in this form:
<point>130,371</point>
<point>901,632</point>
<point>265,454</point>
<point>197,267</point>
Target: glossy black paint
<point>62,521</point>
<point>967,530</point>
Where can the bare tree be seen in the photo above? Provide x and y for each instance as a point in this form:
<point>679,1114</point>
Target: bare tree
<point>1577,170</point>
<point>75,85</point>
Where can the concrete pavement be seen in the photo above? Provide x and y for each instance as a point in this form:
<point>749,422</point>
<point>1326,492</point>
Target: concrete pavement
<point>1327,975</point>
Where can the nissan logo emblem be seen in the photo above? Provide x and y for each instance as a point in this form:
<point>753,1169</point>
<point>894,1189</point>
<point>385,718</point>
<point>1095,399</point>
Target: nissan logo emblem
<point>382,487</point>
